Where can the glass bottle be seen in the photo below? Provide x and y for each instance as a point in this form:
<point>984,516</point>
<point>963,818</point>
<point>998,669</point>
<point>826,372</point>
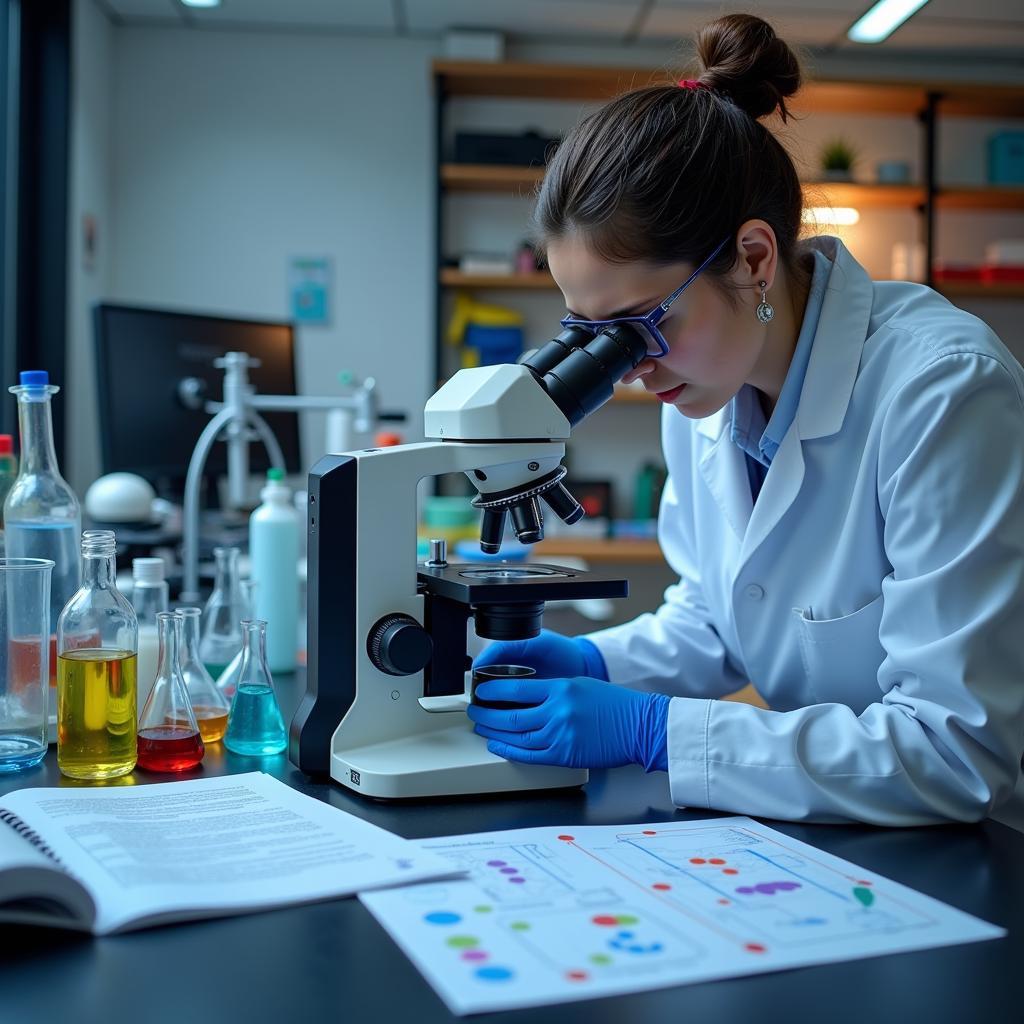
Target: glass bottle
<point>42,517</point>
<point>149,596</point>
<point>222,617</point>
<point>255,725</point>
<point>169,738</point>
<point>97,660</point>
<point>227,681</point>
<point>208,706</point>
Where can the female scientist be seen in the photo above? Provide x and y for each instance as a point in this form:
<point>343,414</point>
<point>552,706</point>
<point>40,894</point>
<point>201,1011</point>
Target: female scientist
<point>845,502</point>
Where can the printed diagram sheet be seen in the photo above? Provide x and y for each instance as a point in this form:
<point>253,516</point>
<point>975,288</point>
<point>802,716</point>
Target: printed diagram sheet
<point>549,915</point>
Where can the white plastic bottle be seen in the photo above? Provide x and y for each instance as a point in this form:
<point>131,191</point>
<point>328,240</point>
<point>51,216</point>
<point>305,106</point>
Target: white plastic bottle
<point>274,558</point>
<point>149,596</point>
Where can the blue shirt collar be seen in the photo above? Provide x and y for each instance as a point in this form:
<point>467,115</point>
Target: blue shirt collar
<point>750,431</point>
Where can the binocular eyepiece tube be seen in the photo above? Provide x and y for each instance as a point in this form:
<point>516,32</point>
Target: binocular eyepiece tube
<point>579,370</point>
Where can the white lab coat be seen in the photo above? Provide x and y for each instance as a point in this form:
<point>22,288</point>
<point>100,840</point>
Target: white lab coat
<point>874,594</point>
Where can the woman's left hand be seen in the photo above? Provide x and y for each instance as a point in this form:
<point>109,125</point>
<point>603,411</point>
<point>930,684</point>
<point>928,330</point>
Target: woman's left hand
<point>576,723</point>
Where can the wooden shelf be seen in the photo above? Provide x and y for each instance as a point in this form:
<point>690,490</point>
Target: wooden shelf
<point>980,290</point>
<point>862,195</point>
<point>452,277</point>
<point>598,549</point>
<point>569,82</point>
<point>490,178</point>
<point>990,197</point>
<point>524,180</point>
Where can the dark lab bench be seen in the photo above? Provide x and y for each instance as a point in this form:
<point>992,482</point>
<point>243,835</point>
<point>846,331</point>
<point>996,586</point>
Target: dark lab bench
<point>331,963</point>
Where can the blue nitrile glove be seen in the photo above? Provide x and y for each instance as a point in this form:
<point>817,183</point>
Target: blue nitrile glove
<point>550,654</point>
<point>577,723</point>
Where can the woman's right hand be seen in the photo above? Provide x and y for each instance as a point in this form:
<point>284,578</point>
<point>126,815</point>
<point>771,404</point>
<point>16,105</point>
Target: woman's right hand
<point>551,655</point>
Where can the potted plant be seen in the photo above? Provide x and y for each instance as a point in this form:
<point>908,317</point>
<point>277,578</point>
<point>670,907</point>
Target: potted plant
<point>837,159</point>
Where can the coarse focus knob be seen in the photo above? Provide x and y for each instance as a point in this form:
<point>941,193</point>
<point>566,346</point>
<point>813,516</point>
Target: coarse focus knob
<point>399,645</point>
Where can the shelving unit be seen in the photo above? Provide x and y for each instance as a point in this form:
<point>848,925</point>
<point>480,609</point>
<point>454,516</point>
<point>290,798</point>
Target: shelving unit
<point>927,103</point>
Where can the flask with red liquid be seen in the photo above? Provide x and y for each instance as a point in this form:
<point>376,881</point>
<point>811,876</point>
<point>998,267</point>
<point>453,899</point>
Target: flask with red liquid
<point>169,737</point>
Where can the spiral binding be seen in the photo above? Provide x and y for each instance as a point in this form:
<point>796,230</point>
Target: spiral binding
<point>19,826</point>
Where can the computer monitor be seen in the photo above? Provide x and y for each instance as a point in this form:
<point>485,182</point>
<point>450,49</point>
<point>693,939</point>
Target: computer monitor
<point>142,354</point>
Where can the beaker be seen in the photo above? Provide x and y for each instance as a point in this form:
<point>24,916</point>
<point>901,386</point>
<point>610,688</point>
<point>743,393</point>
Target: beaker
<point>97,669</point>
<point>209,707</point>
<point>255,725</point>
<point>222,617</point>
<point>169,738</point>
<point>24,660</point>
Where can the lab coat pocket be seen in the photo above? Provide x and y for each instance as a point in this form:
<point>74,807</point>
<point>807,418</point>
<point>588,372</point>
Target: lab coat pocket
<point>842,656</point>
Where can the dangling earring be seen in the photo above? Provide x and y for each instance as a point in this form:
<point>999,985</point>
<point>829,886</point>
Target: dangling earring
<point>765,310</point>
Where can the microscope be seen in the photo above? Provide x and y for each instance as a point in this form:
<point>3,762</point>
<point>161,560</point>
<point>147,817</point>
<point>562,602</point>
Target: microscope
<point>384,708</point>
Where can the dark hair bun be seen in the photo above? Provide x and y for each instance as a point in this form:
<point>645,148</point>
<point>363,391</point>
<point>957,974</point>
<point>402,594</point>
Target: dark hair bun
<point>744,59</point>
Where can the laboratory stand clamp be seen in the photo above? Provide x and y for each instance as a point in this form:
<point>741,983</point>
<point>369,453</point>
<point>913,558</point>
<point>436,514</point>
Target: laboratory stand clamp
<point>237,421</point>
<point>384,708</point>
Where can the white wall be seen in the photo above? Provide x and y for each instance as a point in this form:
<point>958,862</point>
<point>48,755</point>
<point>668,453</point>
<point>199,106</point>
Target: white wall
<point>233,152</point>
<point>89,183</point>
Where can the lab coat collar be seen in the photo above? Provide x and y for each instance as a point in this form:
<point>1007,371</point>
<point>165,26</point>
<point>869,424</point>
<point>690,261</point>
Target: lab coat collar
<point>838,343</point>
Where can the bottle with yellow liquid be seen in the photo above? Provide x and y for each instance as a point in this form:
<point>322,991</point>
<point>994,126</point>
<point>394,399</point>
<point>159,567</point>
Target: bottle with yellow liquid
<point>96,682</point>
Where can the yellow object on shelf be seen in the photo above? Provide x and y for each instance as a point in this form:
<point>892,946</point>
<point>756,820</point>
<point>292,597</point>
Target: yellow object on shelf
<point>469,311</point>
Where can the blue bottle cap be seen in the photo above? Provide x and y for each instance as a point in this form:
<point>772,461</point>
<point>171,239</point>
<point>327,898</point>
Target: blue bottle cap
<point>34,378</point>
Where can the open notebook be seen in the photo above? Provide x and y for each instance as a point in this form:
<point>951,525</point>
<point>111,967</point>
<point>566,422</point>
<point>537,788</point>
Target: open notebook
<point>109,860</point>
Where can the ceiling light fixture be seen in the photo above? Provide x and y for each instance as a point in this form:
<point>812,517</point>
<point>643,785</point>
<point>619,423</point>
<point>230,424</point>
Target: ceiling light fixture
<point>201,3</point>
<point>882,20</point>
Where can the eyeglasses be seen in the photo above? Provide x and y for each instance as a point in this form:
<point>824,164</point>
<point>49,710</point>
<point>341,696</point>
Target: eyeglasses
<point>646,325</point>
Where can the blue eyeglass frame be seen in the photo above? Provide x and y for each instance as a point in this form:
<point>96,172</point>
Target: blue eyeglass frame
<point>649,320</point>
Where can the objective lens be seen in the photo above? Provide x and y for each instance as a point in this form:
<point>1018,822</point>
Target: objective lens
<point>528,521</point>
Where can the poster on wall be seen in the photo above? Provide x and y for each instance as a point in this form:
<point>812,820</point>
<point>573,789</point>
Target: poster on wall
<point>309,286</point>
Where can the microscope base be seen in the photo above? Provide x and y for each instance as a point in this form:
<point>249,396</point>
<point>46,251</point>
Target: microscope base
<point>443,762</point>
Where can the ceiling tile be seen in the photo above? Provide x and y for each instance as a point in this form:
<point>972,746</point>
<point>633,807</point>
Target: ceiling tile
<point>561,18</point>
<point>358,15</point>
<point>964,38</point>
<point>810,29</point>
<point>162,9</point>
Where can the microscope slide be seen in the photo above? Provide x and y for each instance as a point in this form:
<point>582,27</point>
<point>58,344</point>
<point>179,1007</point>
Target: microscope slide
<point>549,916</point>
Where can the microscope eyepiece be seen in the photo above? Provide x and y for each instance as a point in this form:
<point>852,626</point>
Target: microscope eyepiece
<point>583,378</point>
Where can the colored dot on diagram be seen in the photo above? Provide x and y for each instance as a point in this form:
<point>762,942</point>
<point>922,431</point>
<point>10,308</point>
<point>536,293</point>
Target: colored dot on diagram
<point>661,886</point>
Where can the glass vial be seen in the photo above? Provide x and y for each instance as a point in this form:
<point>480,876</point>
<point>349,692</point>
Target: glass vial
<point>222,617</point>
<point>97,660</point>
<point>255,725</point>
<point>209,707</point>
<point>42,517</point>
<point>169,738</point>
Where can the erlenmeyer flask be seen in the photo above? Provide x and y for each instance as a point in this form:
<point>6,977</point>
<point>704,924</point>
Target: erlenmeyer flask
<point>169,738</point>
<point>227,681</point>
<point>255,725</point>
<point>222,632</point>
<point>208,706</point>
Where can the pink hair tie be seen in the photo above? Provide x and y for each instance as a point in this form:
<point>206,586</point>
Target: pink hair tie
<point>690,83</point>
